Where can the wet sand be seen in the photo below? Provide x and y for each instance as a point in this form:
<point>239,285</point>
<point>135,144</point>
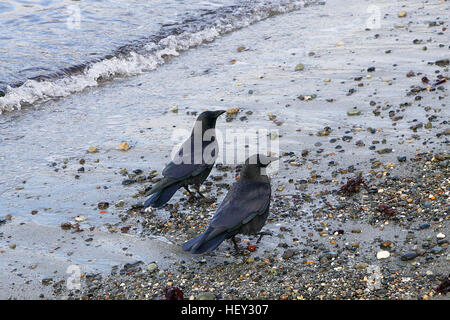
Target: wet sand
<point>42,151</point>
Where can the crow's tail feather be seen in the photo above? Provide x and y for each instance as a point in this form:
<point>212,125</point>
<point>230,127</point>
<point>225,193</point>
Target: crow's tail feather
<point>200,244</point>
<point>161,197</point>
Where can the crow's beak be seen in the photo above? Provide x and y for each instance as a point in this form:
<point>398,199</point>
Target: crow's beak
<point>268,160</point>
<point>219,112</point>
<point>272,159</point>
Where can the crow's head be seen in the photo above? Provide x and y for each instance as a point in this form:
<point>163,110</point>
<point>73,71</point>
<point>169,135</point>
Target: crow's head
<point>208,118</point>
<point>260,160</point>
<point>255,166</point>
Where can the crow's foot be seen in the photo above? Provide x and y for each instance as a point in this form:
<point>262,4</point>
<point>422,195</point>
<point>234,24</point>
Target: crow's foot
<point>262,234</point>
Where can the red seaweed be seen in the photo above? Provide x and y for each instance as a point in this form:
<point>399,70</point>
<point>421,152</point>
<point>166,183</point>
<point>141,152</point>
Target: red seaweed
<point>444,287</point>
<point>387,211</point>
<point>174,293</point>
<point>353,185</point>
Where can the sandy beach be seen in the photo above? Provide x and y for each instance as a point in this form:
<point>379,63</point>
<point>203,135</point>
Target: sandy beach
<point>360,88</point>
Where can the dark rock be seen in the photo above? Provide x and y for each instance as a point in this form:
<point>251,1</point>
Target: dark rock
<point>127,182</point>
<point>289,253</point>
<point>442,63</point>
<point>409,256</point>
<point>384,151</point>
<point>103,205</point>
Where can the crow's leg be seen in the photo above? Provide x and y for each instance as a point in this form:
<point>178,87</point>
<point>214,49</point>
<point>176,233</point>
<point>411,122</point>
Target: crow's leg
<point>203,197</point>
<point>236,246</point>
<point>262,234</point>
<point>189,191</point>
<point>200,194</point>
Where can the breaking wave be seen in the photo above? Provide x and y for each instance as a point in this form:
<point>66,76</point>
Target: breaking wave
<point>145,54</point>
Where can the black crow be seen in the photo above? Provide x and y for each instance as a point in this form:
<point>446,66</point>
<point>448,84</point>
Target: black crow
<point>192,163</point>
<point>244,209</point>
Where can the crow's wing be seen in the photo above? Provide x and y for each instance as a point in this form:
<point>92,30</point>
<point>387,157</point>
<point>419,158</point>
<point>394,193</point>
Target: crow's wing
<point>244,201</point>
<point>190,162</point>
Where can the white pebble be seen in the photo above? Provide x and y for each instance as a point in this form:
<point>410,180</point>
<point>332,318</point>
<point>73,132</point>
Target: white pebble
<point>383,254</point>
<point>440,236</point>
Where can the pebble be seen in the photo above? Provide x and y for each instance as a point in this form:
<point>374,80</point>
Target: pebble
<point>103,205</point>
<point>409,256</point>
<point>437,250</point>
<point>127,182</point>
<point>384,151</point>
<point>424,226</point>
<point>353,112</point>
<point>299,67</point>
<point>124,146</point>
<point>152,267</point>
<point>383,254</point>
<point>289,253</point>
<point>207,296</point>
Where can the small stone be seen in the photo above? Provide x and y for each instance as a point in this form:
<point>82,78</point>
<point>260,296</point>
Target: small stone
<point>93,150</point>
<point>353,112</point>
<point>66,226</point>
<point>127,182</point>
<point>232,110</point>
<point>289,253</point>
<point>442,63</point>
<point>409,256</point>
<point>152,267</point>
<point>383,255</point>
<point>437,250</point>
<point>440,236</point>
<point>124,146</point>
<point>360,266</point>
<point>384,151</point>
<point>402,14</point>
<point>299,67</point>
<point>103,205</point>
<point>207,296</point>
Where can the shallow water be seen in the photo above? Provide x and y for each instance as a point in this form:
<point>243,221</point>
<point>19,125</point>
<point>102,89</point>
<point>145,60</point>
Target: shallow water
<point>44,36</point>
<point>35,140</point>
<point>54,48</point>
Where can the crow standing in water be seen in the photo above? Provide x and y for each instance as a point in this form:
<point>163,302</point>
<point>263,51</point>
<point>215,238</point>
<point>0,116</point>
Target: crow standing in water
<point>244,209</point>
<point>192,163</point>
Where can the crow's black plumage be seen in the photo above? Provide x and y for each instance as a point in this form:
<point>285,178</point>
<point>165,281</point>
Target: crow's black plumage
<point>244,209</point>
<point>192,163</point>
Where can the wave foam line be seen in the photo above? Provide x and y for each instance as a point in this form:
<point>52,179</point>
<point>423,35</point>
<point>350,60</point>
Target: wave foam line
<point>148,56</point>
